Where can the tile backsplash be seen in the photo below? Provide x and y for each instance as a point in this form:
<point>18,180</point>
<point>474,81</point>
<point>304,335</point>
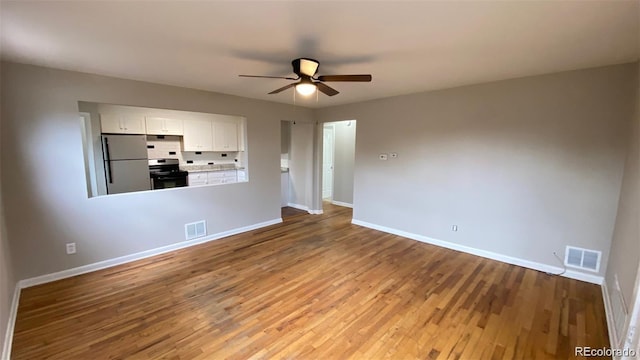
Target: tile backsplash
<point>169,147</point>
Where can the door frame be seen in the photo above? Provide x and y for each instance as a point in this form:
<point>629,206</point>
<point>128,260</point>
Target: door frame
<point>318,159</point>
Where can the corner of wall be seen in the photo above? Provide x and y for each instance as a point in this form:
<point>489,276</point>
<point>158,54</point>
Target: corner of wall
<point>9,290</point>
<point>620,286</point>
<point>11,321</point>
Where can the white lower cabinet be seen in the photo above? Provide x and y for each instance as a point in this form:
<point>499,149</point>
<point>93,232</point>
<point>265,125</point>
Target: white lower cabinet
<point>222,177</point>
<point>197,178</point>
<point>213,177</point>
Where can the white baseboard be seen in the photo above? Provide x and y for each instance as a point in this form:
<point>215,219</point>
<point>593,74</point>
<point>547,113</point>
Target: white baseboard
<point>486,254</point>
<point>340,203</point>
<point>11,323</point>
<point>305,208</point>
<point>138,256</point>
<point>298,206</point>
<point>608,310</point>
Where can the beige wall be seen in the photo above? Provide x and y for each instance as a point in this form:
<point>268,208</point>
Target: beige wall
<point>301,164</point>
<point>524,167</point>
<point>44,184</point>
<point>344,161</point>
<point>625,246</point>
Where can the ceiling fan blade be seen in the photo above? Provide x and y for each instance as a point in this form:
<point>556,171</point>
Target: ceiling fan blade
<point>282,88</point>
<point>362,78</point>
<point>269,77</point>
<point>326,89</point>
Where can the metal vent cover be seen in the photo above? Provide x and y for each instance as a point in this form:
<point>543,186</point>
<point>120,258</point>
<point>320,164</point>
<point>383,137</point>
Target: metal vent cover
<point>195,229</point>
<point>582,258</point>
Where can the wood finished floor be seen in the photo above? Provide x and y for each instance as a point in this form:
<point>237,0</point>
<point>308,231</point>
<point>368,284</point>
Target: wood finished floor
<point>314,287</point>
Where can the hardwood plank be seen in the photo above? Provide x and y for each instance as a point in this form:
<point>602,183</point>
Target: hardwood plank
<point>313,287</point>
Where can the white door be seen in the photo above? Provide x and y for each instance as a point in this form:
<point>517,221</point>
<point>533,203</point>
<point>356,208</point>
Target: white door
<point>327,161</point>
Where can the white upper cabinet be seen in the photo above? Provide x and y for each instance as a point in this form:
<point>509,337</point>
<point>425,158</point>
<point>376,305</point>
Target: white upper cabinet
<point>164,126</point>
<point>198,135</point>
<point>225,133</point>
<point>242,129</point>
<point>219,133</point>
<point>122,124</point>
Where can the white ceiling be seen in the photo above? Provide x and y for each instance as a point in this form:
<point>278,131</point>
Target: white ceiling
<point>407,46</point>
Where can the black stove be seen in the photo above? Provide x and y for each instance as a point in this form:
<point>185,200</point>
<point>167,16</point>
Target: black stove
<point>166,173</point>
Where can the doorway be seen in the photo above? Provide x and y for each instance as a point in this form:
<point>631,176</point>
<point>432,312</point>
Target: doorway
<point>296,165</point>
<point>338,161</point>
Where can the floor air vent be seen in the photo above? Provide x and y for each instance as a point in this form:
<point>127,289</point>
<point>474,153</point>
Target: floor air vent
<point>195,230</point>
<point>582,258</point>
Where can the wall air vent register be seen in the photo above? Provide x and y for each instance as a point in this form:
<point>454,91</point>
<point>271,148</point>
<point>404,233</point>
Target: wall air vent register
<point>195,230</point>
<point>582,258</point>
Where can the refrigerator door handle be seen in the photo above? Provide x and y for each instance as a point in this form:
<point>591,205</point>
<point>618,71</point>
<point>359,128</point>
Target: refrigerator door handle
<point>107,156</point>
<point>109,176</point>
<point>108,160</point>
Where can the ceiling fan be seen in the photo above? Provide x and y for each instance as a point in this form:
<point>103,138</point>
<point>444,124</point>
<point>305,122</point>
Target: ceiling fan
<point>306,69</point>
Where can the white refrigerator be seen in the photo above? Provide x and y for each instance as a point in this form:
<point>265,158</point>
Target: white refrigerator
<point>126,164</point>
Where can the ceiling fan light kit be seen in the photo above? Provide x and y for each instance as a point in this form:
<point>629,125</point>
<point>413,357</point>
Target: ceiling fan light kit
<point>306,69</point>
<point>305,89</point>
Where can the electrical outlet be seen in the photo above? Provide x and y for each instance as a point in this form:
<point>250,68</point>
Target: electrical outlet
<point>71,248</point>
<point>383,156</point>
<point>454,227</point>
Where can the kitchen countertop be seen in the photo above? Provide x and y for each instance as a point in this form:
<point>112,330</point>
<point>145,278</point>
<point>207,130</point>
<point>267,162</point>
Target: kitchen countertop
<point>202,168</point>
